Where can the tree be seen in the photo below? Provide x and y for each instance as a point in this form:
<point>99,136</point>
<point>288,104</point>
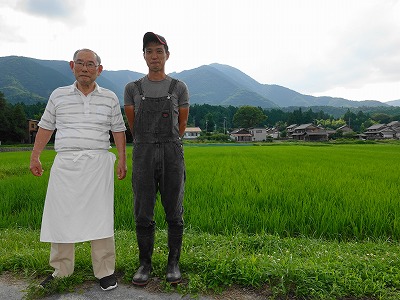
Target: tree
<point>248,117</point>
<point>19,124</point>
<point>4,119</point>
<point>381,118</point>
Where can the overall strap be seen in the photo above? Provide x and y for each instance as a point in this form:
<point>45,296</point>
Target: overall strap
<point>172,86</point>
<point>138,83</point>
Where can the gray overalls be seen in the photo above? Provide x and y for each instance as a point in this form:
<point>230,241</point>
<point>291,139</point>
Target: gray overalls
<point>158,166</point>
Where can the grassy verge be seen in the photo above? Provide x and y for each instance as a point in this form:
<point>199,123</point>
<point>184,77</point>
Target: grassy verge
<point>279,268</point>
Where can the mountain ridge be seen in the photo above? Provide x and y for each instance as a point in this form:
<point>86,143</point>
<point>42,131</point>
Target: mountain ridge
<point>29,80</point>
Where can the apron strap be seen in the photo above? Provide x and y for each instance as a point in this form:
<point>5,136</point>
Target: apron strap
<point>82,153</point>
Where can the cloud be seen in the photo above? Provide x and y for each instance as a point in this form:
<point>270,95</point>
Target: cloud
<point>5,35</point>
<point>47,8</point>
<point>363,51</point>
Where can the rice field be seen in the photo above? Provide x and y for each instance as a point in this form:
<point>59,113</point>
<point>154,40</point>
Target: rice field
<point>340,192</point>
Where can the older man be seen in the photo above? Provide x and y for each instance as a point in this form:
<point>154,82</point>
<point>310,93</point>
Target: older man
<point>79,203</point>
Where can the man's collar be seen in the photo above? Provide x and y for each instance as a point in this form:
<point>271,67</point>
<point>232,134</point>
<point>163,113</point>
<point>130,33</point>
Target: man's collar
<point>97,88</point>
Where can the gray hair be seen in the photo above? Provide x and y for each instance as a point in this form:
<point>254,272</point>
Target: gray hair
<point>98,59</point>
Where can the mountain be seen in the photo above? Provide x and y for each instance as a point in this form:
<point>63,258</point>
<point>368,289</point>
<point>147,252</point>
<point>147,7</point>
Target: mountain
<point>211,86</point>
<point>28,80</point>
<point>394,102</point>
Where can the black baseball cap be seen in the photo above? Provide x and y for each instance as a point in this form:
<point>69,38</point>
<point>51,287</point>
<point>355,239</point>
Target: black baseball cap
<point>152,37</point>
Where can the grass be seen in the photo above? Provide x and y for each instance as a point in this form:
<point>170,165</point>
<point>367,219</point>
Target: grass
<point>319,221</point>
<point>279,268</point>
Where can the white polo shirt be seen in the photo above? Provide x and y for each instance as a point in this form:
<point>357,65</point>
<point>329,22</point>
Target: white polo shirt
<point>82,122</point>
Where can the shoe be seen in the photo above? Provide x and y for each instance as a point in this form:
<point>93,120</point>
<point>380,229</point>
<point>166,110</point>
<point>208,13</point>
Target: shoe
<point>173,274</point>
<point>47,281</point>
<point>142,276</point>
<point>108,283</point>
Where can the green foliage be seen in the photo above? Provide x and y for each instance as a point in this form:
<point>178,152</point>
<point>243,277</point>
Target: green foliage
<point>331,123</point>
<point>248,117</point>
<point>381,118</point>
<point>219,115</point>
<point>218,137</point>
<point>13,122</point>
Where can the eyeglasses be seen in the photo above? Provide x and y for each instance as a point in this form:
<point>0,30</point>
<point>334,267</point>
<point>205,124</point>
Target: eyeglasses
<point>91,66</point>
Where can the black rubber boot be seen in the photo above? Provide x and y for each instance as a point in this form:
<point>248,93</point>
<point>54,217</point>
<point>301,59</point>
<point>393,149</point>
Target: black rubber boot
<point>145,239</point>
<point>175,234</point>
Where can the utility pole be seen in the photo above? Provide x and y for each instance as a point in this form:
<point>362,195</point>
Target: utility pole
<point>224,125</point>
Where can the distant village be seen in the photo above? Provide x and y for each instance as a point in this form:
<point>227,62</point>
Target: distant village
<point>300,132</point>
<point>305,132</point>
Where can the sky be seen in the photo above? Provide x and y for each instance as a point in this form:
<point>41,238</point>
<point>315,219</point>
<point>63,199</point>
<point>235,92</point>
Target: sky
<point>339,48</point>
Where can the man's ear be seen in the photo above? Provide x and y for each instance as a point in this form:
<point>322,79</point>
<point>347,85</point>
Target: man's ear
<point>71,65</point>
<point>99,69</point>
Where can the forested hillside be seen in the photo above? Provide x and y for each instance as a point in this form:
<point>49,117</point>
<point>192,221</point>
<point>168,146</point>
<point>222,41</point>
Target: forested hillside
<point>30,80</point>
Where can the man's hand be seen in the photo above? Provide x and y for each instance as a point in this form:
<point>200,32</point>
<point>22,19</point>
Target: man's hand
<point>121,169</point>
<point>36,167</point>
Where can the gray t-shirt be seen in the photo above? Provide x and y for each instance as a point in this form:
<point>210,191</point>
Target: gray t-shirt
<point>156,89</point>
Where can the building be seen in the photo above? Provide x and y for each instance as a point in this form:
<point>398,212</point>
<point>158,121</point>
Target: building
<point>309,132</point>
<point>258,134</point>
<point>345,129</point>
<point>273,133</point>
<point>192,133</point>
<point>32,130</point>
<point>241,135</point>
<point>378,131</point>
<point>290,130</point>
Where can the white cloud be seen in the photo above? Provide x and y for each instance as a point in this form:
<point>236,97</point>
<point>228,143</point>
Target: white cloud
<point>363,52</point>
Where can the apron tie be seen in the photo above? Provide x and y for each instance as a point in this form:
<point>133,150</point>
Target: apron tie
<point>81,153</point>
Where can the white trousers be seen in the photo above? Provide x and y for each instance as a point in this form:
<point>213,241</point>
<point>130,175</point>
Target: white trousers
<point>62,258</point>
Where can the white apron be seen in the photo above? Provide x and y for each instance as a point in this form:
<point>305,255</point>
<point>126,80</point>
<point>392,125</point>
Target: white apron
<point>79,203</point>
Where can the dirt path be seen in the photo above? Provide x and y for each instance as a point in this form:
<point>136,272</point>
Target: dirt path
<point>12,288</point>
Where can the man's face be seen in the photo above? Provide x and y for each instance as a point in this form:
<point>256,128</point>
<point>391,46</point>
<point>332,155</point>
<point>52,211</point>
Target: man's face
<point>155,56</point>
<point>85,67</point>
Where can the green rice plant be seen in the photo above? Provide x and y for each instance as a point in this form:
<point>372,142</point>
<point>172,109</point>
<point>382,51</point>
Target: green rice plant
<point>313,190</point>
<point>341,191</point>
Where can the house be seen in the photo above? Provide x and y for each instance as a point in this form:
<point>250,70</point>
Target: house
<point>192,133</point>
<point>241,135</point>
<point>395,125</point>
<point>376,131</point>
<point>345,129</point>
<point>383,131</point>
<point>290,130</point>
<point>309,132</point>
<point>32,130</point>
<point>273,133</point>
<point>258,134</point>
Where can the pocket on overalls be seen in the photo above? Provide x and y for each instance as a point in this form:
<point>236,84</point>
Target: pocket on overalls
<point>165,122</point>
